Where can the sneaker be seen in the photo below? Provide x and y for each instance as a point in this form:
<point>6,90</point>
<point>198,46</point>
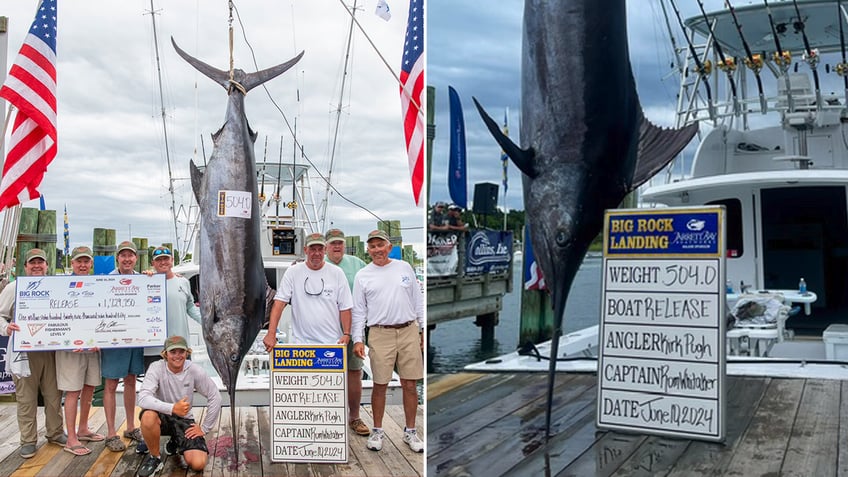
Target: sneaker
<point>171,446</point>
<point>141,448</point>
<point>375,440</point>
<point>412,440</point>
<point>150,466</point>
<point>27,450</point>
<point>59,440</point>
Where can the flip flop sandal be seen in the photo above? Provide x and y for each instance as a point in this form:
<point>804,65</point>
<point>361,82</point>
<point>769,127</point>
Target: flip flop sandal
<point>115,444</point>
<point>79,450</point>
<point>93,437</point>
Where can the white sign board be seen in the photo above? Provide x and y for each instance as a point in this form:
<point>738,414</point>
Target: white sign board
<point>103,311</point>
<point>662,359</point>
<point>309,403</point>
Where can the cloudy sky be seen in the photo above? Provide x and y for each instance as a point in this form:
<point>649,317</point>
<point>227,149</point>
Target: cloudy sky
<point>478,52</point>
<point>111,170</point>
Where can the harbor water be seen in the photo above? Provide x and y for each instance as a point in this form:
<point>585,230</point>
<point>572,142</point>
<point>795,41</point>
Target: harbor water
<point>457,343</point>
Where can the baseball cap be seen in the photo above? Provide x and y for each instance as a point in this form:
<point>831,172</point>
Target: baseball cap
<point>315,239</point>
<point>335,235</point>
<point>35,253</point>
<point>176,342</point>
<point>381,234</point>
<point>82,251</point>
<point>454,207</point>
<point>439,204</point>
<point>161,251</point>
<point>126,245</point>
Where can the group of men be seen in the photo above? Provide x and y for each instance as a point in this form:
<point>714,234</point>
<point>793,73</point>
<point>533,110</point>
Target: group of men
<point>330,304</point>
<point>77,372</point>
<point>334,304</point>
<point>445,218</point>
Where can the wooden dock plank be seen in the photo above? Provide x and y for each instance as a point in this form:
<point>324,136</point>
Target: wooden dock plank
<point>842,440</point>
<point>813,442</point>
<point>763,446</point>
<point>710,458</point>
<point>254,438</point>
<point>438,384</point>
<point>606,455</point>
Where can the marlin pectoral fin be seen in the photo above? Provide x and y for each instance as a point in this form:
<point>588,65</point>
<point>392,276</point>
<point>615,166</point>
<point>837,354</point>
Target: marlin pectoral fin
<point>523,158</point>
<point>657,147</point>
<point>196,180</point>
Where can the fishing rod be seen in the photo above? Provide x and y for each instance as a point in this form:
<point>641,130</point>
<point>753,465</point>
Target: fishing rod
<point>842,68</point>
<point>725,64</point>
<point>277,197</point>
<point>781,58</point>
<point>753,62</point>
<point>811,56</point>
<point>702,69</point>
<point>262,173</point>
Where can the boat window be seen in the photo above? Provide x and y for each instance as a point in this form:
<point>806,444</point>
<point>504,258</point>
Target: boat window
<point>733,208</point>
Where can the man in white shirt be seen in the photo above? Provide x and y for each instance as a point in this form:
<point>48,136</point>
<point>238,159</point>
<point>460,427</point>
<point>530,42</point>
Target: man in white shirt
<point>387,298</point>
<point>320,300</point>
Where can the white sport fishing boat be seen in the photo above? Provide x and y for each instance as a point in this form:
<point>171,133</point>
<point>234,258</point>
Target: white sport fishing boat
<point>289,216</point>
<point>772,149</point>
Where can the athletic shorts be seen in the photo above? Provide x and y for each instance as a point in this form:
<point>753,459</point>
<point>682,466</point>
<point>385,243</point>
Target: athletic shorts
<point>176,427</point>
<point>390,346</point>
<point>117,363</point>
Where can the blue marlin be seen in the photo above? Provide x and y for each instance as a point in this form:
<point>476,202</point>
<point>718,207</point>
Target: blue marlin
<point>586,142</point>
<point>232,277</point>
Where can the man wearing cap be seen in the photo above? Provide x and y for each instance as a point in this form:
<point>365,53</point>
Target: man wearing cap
<point>180,301</point>
<point>454,220</point>
<point>349,264</point>
<point>180,307</point>
<point>39,373</point>
<point>77,374</point>
<point>438,219</point>
<point>121,363</point>
<point>320,300</point>
<point>387,298</point>
<point>165,399</point>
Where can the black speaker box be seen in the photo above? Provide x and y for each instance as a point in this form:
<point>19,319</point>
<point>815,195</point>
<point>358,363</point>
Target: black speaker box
<point>485,198</point>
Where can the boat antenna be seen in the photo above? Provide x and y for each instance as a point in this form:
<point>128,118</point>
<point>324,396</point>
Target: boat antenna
<point>781,58</point>
<point>703,69</point>
<point>325,203</point>
<point>728,65</point>
<point>165,126</point>
<point>811,56</point>
<point>842,68</point>
<point>752,61</point>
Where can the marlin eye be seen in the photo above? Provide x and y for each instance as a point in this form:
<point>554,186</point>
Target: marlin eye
<point>234,358</point>
<point>561,238</point>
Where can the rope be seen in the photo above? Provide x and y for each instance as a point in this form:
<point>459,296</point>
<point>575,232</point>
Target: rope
<point>232,67</point>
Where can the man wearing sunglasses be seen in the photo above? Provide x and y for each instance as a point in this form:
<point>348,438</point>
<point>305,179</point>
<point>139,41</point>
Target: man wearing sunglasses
<point>320,300</point>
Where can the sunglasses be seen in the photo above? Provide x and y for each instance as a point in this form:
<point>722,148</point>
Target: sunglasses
<point>161,251</point>
<point>313,293</point>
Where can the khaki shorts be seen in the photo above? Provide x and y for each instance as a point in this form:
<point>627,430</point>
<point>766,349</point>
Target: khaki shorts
<point>354,362</point>
<point>75,369</point>
<point>390,346</point>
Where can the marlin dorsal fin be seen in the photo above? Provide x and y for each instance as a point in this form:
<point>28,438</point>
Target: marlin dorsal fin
<point>196,180</point>
<point>522,158</point>
<point>657,147</point>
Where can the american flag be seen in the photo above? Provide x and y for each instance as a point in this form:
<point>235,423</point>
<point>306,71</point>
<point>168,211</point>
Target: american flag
<point>31,88</point>
<point>411,87</point>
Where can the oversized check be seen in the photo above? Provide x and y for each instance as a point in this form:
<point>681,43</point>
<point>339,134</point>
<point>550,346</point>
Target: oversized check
<point>104,311</point>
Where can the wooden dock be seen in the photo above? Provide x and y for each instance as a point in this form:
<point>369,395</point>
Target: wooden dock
<point>396,459</point>
<point>493,424</point>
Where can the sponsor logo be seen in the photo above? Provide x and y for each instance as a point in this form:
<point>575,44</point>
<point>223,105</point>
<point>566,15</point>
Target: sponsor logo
<point>78,342</point>
<point>154,299</point>
<point>34,328</point>
<point>329,354</point>
<point>75,285</point>
<point>696,225</point>
<point>125,281</point>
